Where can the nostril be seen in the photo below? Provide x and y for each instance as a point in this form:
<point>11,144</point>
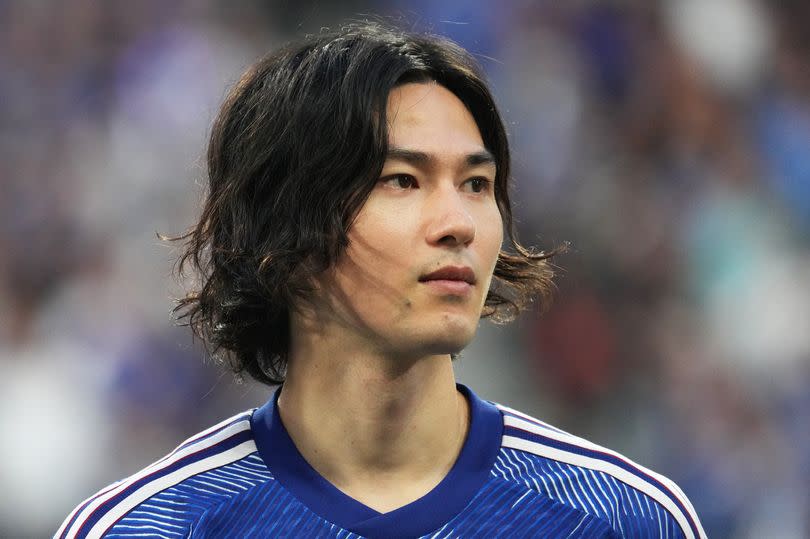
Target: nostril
<point>448,239</point>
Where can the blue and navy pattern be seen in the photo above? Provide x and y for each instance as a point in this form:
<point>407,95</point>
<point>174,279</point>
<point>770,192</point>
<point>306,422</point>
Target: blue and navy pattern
<point>501,509</point>
<point>171,512</point>
<point>629,513</point>
<point>515,477</point>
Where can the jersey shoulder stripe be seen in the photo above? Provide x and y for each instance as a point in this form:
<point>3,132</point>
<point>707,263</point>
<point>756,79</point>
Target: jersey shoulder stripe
<point>525,433</point>
<point>510,412</point>
<point>225,442</point>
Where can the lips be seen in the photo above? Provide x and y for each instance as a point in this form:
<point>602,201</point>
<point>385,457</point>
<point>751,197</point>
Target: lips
<point>451,273</point>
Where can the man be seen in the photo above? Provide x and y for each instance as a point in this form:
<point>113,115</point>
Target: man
<point>349,244</point>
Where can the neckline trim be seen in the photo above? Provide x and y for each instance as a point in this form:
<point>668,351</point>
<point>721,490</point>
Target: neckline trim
<point>431,511</point>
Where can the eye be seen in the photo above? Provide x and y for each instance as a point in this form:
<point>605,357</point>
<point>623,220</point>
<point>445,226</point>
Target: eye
<point>400,181</point>
<point>479,184</point>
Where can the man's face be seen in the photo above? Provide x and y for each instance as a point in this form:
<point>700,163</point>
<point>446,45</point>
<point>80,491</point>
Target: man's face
<point>422,249</point>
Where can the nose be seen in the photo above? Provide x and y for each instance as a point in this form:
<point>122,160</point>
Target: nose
<point>450,221</point>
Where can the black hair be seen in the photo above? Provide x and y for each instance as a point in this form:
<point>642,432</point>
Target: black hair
<point>297,147</point>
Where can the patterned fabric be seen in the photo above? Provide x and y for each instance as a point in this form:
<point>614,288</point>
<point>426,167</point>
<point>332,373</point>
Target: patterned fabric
<point>515,477</point>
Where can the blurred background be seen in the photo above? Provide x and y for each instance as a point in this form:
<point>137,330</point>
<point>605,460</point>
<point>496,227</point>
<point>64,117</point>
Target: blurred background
<point>669,142</point>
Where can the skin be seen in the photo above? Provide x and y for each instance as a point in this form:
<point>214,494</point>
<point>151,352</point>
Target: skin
<point>371,351</point>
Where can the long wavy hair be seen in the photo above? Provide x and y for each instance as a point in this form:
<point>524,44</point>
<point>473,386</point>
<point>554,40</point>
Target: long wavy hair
<point>296,148</point>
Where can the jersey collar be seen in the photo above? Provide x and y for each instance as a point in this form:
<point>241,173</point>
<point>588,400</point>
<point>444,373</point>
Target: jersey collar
<point>469,473</point>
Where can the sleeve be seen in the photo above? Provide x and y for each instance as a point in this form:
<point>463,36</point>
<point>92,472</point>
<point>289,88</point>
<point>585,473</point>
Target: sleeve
<point>111,513</point>
<point>649,519</point>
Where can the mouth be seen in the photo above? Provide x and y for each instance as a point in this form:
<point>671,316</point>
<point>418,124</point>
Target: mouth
<point>456,280</point>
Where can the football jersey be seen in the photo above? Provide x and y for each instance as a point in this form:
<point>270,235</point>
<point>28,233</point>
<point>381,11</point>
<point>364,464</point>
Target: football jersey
<point>514,477</point>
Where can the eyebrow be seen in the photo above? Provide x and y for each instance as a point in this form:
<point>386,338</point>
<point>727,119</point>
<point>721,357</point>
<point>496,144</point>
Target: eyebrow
<point>414,157</point>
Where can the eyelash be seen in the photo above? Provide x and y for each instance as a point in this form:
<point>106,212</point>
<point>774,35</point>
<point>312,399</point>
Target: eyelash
<point>389,179</point>
<point>486,184</point>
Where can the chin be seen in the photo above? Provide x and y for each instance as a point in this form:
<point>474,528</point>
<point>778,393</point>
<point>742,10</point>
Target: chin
<point>450,336</point>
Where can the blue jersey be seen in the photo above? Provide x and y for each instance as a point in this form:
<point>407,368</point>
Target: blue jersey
<point>515,477</point>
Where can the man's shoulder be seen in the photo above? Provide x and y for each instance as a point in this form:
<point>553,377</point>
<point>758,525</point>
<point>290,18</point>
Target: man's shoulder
<point>597,480</point>
<point>170,495</point>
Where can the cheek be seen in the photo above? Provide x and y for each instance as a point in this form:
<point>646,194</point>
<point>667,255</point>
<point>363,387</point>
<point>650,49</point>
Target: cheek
<point>490,234</point>
<point>383,233</point>
<point>374,271</point>
<point>374,244</point>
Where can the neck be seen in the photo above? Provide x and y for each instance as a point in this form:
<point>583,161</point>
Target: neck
<point>367,423</point>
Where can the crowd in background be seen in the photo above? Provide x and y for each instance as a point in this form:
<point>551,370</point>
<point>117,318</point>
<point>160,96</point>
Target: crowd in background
<point>668,142</point>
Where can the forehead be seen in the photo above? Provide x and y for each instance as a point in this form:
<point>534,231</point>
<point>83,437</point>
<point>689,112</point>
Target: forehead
<point>428,117</point>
